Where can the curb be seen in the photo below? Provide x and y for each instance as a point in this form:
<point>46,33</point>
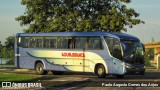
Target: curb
<point>152,70</point>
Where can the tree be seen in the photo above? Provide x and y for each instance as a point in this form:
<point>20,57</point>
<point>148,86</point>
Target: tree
<point>9,43</point>
<point>149,55</point>
<point>1,47</point>
<point>7,50</point>
<point>77,15</point>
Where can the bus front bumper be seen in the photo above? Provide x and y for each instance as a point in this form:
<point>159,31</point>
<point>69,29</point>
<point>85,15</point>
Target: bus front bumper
<point>135,69</point>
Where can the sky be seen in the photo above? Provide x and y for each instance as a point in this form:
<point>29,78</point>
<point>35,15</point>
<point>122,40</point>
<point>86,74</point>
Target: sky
<point>148,10</point>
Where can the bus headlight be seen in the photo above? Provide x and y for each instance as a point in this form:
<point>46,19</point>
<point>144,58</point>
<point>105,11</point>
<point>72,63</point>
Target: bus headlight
<point>127,66</point>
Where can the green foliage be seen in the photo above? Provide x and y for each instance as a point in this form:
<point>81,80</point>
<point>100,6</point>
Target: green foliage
<point>7,50</point>
<point>147,62</point>
<point>1,46</point>
<point>10,42</point>
<point>77,15</point>
<point>149,55</point>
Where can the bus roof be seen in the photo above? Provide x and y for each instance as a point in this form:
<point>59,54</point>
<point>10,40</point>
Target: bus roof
<point>124,37</point>
<point>121,36</point>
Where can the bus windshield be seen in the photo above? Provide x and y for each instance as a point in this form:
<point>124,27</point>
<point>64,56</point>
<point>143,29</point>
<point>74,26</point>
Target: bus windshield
<point>133,52</point>
<point>128,48</point>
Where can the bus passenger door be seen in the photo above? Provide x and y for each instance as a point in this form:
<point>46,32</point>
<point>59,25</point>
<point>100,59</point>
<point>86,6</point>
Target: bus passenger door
<point>118,67</point>
<point>80,45</point>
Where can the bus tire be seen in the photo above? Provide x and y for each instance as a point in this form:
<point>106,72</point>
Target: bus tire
<point>142,72</point>
<point>120,76</point>
<point>101,72</point>
<point>57,72</point>
<point>40,69</point>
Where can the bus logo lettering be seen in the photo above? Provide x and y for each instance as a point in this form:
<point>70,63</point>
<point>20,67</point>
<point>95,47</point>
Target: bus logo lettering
<point>73,54</point>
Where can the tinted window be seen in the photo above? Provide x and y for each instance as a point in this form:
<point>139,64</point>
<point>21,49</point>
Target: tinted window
<point>61,42</point>
<point>110,42</point>
<point>80,42</point>
<point>33,42</point>
<point>39,42</point>
<point>23,42</point>
<point>65,42</point>
<point>114,47</point>
<point>50,42</point>
<point>94,43</point>
<point>117,53</point>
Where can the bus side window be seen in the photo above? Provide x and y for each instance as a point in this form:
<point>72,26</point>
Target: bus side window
<point>50,42</point>
<point>71,43</point>
<point>94,43</point>
<point>97,44</point>
<point>80,42</point>
<point>90,43</point>
<point>33,42</point>
<point>117,50</point>
<point>53,43</point>
<point>46,42</point>
<point>24,42</point>
<point>114,47</point>
<point>64,43</point>
<point>39,42</point>
<point>110,41</point>
<point>77,43</point>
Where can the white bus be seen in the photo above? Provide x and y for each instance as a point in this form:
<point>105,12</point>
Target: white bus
<point>101,53</point>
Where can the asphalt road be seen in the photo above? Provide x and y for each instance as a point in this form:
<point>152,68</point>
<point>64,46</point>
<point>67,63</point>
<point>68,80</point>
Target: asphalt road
<point>79,81</point>
<point>149,81</point>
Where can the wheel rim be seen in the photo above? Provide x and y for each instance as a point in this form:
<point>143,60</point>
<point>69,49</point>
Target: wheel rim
<point>39,68</point>
<point>100,71</point>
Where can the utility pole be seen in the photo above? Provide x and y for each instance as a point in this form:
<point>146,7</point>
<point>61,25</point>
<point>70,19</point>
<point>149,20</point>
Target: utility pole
<point>152,39</point>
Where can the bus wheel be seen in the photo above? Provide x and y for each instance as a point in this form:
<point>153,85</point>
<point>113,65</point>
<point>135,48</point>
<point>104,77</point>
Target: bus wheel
<point>57,72</point>
<point>142,72</point>
<point>40,69</point>
<point>120,76</point>
<point>101,72</point>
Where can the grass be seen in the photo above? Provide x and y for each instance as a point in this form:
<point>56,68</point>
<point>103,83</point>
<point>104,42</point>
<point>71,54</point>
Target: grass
<point>151,67</point>
<point>15,77</point>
